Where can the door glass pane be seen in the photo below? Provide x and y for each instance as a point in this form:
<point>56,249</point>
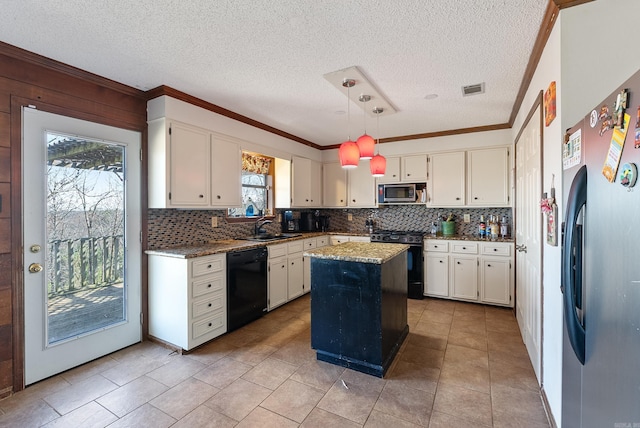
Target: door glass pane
<point>85,236</point>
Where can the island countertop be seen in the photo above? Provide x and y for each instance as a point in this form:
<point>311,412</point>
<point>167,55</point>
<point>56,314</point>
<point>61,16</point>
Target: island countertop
<point>363,252</point>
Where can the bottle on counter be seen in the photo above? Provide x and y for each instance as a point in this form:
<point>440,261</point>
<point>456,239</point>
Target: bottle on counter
<point>482,227</point>
<point>504,227</point>
<point>495,228</point>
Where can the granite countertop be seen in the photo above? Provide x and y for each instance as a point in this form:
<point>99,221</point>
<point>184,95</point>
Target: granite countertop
<point>363,252</point>
<point>468,238</point>
<point>226,245</point>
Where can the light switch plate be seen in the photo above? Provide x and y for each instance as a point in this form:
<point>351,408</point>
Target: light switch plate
<point>214,221</point>
<point>467,218</point>
<point>349,217</point>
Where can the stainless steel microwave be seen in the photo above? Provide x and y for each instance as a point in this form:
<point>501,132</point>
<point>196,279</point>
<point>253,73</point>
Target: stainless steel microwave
<point>390,193</point>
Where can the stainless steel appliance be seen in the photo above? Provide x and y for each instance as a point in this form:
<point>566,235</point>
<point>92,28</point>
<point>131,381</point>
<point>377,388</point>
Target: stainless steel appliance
<point>246,286</point>
<point>600,273</point>
<point>394,193</point>
<point>415,281</point>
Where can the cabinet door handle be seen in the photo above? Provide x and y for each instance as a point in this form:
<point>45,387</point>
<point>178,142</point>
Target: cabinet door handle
<point>488,265</point>
<point>457,199</point>
<point>408,175</point>
<point>458,262</point>
<point>210,324</point>
<point>495,249</point>
<point>208,285</point>
<point>435,246</point>
<point>464,248</point>
<point>440,261</point>
<point>218,197</point>
<point>476,198</point>
<point>201,196</point>
<point>209,305</point>
<point>353,200</point>
<point>209,267</point>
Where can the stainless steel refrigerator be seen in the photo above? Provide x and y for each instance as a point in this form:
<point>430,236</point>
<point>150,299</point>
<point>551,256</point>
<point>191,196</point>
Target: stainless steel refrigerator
<point>600,266</point>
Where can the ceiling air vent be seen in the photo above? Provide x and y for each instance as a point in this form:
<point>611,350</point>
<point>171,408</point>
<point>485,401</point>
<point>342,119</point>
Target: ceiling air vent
<point>473,89</point>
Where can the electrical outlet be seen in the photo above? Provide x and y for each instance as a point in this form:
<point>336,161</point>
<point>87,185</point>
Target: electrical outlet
<point>349,217</point>
<point>214,221</point>
<point>467,218</point>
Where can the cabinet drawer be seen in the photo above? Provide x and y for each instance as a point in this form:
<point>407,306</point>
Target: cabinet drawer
<point>310,244</point>
<point>296,246</point>
<point>277,250</point>
<point>208,285</point>
<point>213,324</point>
<point>323,241</point>
<point>464,247</point>
<point>209,304</point>
<point>496,249</point>
<point>436,246</point>
<point>205,265</point>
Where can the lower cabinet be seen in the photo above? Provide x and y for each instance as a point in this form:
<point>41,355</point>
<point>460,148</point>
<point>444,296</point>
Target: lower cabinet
<point>310,244</point>
<point>477,271</point>
<point>286,273</point>
<point>187,299</point>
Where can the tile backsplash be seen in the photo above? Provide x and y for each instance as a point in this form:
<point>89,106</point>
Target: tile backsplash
<point>173,227</point>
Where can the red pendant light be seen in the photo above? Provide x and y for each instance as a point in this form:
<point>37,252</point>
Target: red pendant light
<point>349,153</point>
<point>378,163</point>
<point>365,142</point>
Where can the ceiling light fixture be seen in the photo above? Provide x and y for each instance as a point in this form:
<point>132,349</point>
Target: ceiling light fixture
<point>366,143</point>
<point>378,163</point>
<point>349,153</point>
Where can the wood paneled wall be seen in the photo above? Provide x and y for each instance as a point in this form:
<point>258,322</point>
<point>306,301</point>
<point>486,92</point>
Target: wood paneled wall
<point>29,79</point>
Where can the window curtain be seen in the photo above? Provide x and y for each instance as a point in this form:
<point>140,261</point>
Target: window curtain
<point>255,164</point>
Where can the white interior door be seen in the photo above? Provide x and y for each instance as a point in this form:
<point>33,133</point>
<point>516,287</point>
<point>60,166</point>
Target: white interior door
<point>528,245</point>
<point>81,231</point>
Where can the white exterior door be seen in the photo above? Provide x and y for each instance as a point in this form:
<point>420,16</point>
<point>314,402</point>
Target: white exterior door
<point>81,231</point>
<point>528,237</point>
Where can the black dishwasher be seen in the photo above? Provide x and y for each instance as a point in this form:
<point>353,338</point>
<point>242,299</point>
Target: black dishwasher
<point>246,286</point>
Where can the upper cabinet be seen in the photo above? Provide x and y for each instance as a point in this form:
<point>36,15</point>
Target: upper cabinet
<point>488,177</point>
<point>406,169</point>
<point>414,168</point>
<point>334,185</point>
<point>226,173</point>
<point>348,188</point>
<point>446,182</point>
<point>190,167</point>
<point>473,178</point>
<point>392,172</point>
<point>361,187</point>
<point>306,177</point>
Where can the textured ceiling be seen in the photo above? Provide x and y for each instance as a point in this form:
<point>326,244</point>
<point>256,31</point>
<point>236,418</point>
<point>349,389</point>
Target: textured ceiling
<point>265,59</point>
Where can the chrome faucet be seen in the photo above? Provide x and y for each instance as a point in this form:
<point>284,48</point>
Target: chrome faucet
<point>257,228</point>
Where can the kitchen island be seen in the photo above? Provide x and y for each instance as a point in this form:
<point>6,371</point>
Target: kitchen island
<point>359,304</point>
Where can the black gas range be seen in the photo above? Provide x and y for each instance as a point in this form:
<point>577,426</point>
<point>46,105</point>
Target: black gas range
<point>415,280</point>
<point>399,237</point>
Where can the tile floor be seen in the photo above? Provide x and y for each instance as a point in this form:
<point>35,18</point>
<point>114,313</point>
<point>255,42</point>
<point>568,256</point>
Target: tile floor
<point>462,365</point>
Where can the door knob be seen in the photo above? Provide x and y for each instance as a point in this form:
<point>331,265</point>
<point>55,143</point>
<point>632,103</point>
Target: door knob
<point>35,267</point>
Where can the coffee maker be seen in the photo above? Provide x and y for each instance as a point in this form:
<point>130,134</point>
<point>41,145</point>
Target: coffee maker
<point>309,222</point>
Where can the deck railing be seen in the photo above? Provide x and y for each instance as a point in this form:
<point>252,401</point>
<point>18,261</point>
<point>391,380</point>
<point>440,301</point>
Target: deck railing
<point>77,264</point>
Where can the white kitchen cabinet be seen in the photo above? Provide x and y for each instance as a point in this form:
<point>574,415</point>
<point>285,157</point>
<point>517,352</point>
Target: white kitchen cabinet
<point>295,280</point>
<point>295,269</point>
<point>339,239</point>
<point>496,274</point>
<point>278,275</point>
<point>187,299</point>
<point>446,182</point>
<point>436,275</point>
<point>191,167</point>
<point>310,244</point>
<point>488,177</point>
<point>392,172</point>
<point>359,239</point>
<point>361,187</point>
<point>464,277</point>
<point>306,177</point>
<point>226,173</point>
<point>477,271</point>
<point>334,185</point>
<point>414,168</point>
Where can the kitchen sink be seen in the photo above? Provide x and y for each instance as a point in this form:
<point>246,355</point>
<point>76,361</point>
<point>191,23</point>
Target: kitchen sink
<point>267,237</point>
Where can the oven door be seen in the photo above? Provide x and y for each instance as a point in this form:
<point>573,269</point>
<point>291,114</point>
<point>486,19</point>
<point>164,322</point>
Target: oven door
<point>415,277</point>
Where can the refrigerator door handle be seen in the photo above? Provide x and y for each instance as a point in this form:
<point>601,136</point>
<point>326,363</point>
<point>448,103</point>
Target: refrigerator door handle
<point>572,261</point>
